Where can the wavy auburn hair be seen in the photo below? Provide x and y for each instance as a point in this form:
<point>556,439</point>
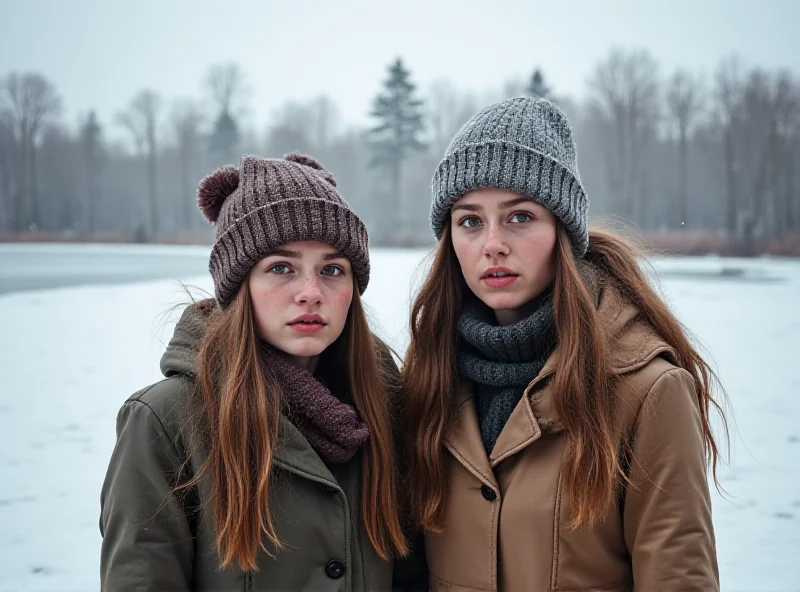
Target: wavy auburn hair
<point>583,381</point>
<point>236,407</point>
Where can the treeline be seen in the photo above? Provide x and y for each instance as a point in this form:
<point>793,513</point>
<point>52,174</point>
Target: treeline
<point>707,163</point>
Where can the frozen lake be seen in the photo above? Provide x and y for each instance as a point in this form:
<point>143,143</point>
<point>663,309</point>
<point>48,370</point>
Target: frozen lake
<point>70,356</point>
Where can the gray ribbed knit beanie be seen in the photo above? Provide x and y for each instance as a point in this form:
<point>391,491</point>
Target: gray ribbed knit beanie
<point>269,202</point>
<point>523,145</point>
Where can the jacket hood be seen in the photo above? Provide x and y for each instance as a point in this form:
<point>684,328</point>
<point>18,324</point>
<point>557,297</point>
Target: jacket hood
<point>179,357</point>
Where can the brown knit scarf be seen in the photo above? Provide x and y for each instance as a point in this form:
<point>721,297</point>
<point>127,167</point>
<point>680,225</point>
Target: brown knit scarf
<point>332,427</point>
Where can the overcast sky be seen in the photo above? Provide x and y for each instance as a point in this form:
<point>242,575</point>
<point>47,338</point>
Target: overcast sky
<point>100,52</point>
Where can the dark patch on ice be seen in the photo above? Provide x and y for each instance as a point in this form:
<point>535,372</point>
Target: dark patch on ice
<point>16,500</point>
<point>72,427</point>
<point>794,439</point>
<point>796,503</point>
<point>37,445</point>
<point>41,570</point>
<point>784,515</point>
<point>87,450</point>
<point>4,408</point>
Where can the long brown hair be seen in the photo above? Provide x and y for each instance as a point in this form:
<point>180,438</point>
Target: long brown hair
<point>583,381</point>
<point>237,404</point>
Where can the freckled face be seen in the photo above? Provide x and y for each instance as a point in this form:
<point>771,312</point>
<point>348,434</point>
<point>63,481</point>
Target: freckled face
<point>505,244</point>
<point>301,295</point>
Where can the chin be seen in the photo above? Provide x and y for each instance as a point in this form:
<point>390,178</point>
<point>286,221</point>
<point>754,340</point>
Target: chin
<point>304,348</point>
<point>503,302</point>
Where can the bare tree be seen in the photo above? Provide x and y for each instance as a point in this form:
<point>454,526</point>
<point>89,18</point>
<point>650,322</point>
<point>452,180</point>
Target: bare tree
<point>787,137</point>
<point>728,96</point>
<point>758,144</point>
<point>31,101</point>
<point>684,100</point>
<point>141,120</point>
<point>8,152</point>
<point>447,110</point>
<point>624,91</point>
<point>60,177</point>
<point>292,129</point>
<point>326,122</point>
<point>91,143</point>
<point>226,87</point>
<point>186,121</point>
<point>442,106</point>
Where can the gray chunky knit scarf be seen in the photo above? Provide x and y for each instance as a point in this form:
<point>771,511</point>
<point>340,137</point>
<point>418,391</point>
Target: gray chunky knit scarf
<point>502,361</point>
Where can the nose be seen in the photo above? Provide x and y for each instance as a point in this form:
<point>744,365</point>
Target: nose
<point>495,244</point>
<point>309,292</point>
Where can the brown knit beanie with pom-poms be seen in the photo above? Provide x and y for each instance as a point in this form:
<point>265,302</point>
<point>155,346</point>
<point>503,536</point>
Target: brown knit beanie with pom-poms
<point>268,202</point>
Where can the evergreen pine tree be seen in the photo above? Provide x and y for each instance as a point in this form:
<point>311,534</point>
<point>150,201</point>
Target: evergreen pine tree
<point>537,87</point>
<point>224,140</point>
<point>398,113</point>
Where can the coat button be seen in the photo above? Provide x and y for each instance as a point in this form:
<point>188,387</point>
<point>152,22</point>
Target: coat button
<point>334,569</point>
<point>488,493</point>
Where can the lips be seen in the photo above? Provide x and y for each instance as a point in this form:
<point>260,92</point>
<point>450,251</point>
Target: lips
<point>308,323</point>
<point>499,277</point>
<point>498,272</point>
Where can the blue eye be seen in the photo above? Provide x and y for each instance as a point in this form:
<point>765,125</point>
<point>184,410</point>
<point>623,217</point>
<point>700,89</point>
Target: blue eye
<point>280,269</point>
<point>470,222</point>
<point>332,270</point>
<point>521,217</point>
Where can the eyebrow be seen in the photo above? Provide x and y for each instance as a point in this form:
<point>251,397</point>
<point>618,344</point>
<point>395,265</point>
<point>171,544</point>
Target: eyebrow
<point>283,253</point>
<point>512,202</point>
<point>503,205</point>
<point>297,255</point>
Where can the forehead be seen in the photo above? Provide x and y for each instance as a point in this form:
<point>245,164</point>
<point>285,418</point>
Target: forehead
<point>493,198</point>
<point>302,249</point>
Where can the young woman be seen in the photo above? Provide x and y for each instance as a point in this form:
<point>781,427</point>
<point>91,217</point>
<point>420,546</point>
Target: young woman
<point>557,415</point>
<point>265,460</point>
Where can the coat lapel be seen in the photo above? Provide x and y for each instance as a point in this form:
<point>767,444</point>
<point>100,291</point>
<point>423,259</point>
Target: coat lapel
<point>463,439</point>
<point>293,453</point>
<point>521,429</point>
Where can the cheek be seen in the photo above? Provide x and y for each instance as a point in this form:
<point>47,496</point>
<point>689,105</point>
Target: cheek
<point>266,296</point>
<point>340,300</point>
<point>467,252</point>
<point>539,254</point>
<point>266,299</point>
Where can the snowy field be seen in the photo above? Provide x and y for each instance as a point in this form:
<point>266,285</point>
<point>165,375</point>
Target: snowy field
<point>70,356</point>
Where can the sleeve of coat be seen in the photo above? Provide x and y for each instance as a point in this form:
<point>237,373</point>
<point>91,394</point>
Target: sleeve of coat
<point>147,541</point>
<point>667,513</point>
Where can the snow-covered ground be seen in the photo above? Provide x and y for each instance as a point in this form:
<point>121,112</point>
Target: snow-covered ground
<point>69,357</point>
